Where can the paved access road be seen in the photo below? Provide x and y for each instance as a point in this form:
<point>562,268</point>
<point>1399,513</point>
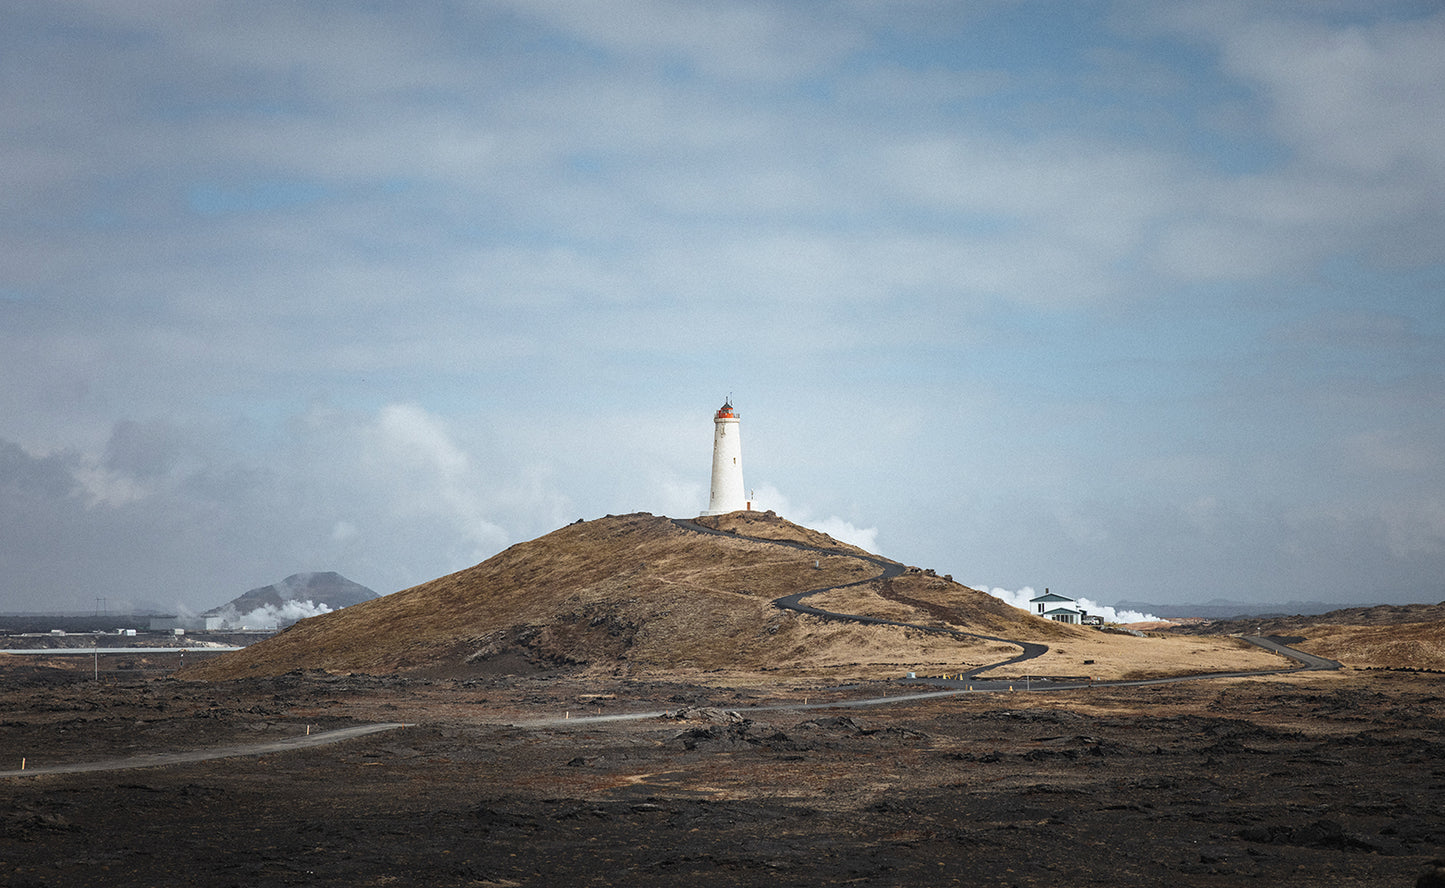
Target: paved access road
<point>967,680</point>
<point>890,569</point>
<point>1308,661</point>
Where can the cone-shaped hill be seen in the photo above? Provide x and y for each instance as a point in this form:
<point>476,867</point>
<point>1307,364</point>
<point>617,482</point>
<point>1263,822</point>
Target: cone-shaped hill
<point>321,588</point>
<point>639,594</point>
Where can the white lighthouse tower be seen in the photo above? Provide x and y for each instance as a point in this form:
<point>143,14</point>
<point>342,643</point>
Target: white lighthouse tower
<point>727,463</point>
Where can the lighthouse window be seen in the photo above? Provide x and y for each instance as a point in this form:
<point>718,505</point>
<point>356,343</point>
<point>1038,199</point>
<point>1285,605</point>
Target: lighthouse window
<point>735,460</point>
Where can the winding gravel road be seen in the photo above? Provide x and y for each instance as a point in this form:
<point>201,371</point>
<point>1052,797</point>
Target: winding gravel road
<point>889,569</point>
<point>1030,649</point>
<point>319,738</point>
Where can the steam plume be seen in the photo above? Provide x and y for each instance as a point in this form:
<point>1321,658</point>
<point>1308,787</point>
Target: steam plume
<point>269,616</point>
<point>1020,600</point>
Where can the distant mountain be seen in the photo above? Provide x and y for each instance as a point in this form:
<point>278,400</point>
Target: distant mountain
<point>1394,615</point>
<point>296,597</point>
<point>1223,609</point>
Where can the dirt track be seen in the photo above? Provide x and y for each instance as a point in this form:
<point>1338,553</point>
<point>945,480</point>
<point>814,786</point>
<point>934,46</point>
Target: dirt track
<point>1303,780</point>
<point>169,759</point>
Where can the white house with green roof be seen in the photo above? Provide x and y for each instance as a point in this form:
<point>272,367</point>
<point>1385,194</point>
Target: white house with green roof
<point>1052,606</point>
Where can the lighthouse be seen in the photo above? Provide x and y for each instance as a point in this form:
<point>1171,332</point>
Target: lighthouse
<point>727,463</point>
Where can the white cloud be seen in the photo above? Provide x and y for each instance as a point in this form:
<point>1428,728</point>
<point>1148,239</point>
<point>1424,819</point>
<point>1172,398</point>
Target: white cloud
<point>105,487</point>
<point>411,469</point>
<point>1415,528</point>
<point>1362,98</point>
<point>407,434</point>
<point>1360,112</point>
<point>747,40</point>
<point>389,498</point>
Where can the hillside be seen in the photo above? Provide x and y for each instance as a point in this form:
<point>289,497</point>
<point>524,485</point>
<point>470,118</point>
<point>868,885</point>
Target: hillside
<point>1375,615</point>
<point>1413,645</point>
<point>639,594</point>
<point>1393,636</point>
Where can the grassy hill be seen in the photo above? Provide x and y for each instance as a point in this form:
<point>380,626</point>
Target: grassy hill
<point>1393,636</point>
<point>639,595</point>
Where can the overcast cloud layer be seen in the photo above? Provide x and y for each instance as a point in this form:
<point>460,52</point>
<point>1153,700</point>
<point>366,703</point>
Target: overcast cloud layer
<point>1131,300</point>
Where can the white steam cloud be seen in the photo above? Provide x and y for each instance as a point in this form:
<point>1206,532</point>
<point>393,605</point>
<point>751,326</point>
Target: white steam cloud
<point>769,497</point>
<point>269,616</point>
<point>863,537</point>
<point>1020,599</point>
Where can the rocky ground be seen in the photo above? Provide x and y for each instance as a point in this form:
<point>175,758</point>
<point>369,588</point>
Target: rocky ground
<point>1314,779</point>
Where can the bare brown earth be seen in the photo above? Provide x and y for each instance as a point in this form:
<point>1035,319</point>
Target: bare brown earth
<point>637,595</point>
<point>505,778</point>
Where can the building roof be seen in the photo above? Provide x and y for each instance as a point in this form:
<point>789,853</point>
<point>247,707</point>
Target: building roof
<point>1049,596</point>
<point>1062,610</point>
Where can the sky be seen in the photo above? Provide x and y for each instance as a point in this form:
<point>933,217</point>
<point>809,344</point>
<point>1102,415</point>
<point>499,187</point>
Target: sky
<point>1139,301</point>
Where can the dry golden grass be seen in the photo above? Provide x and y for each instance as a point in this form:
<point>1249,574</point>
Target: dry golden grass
<point>1117,657</point>
<point>1399,646</point>
<point>768,525</point>
<point>972,610</point>
<point>864,601</point>
<point>638,595</point>
<point>587,593</point>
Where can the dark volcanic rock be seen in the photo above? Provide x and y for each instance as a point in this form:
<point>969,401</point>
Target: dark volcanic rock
<point>1433,876</point>
<point>1319,834</point>
<point>1262,786</point>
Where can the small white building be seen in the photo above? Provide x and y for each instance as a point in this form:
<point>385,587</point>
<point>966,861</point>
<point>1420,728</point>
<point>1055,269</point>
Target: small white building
<point>199,623</point>
<point>1052,606</point>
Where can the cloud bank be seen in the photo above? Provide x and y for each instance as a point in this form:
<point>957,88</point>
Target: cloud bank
<point>1140,296</point>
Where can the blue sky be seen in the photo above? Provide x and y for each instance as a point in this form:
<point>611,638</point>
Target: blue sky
<point>1132,300</point>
